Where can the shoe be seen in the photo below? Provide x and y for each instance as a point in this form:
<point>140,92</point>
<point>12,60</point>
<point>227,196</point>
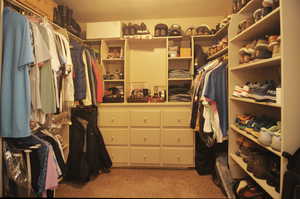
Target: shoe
<point>260,94</point>
<point>262,49</point>
<point>261,166</point>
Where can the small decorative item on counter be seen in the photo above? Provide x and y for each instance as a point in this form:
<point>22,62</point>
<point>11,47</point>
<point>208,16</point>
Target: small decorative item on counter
<point>114,94</point>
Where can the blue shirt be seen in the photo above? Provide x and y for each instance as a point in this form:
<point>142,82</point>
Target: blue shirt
<point>15,87</point>
<point>217,90</point>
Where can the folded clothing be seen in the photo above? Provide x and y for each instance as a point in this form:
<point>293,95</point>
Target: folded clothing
<point>177,73</point>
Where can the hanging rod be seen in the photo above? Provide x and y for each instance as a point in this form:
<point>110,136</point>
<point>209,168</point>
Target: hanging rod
<point>26,8</point>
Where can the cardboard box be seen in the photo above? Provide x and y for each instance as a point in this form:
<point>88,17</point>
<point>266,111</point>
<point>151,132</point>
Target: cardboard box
<point>185,52</point>
<point>99,30</point>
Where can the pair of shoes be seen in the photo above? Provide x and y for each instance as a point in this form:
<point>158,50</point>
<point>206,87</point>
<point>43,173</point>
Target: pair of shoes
<point>134,29</point>
<point>216,48</point>
<point>203,30</point>
<point>161,30</point>
<point>248,189</point>
<point>271,136</point>
<point>266,92</point>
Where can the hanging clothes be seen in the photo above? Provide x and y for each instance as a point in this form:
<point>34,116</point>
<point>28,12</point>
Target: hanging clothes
<point>15,85</point>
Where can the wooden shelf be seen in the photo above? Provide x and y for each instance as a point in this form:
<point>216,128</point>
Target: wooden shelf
<point>218,54</point>
<point>180,58</point>
<point>250,7</point>
<point>254,102</point>
<point>271,62</point>
<point>266,25</point>
<point>254,139</point>
<point>113,80</point>
<point>180,79</point>
<point>263,183</point>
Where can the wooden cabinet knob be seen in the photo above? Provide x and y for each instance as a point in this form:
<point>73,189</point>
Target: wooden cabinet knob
<point>178,140</point>
<point>145,120</point>
<point>113,120</point>
<point>179,120</point>
<point>112,138</point>
<point>178,158</point>
<point>145,139</point>
<point>145,157</point>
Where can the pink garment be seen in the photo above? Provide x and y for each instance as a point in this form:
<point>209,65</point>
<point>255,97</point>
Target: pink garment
<point>99,80</point>
<point>52,175</point>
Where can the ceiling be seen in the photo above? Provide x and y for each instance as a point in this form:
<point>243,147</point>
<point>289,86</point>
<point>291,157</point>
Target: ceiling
<point>111,10</point>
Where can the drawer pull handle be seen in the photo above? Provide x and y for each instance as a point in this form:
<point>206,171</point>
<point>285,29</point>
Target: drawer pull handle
<point>145,139</point>
<point>112,138</point>
<point>179,120</point>
<point>145,120</point>
<point>113,120</point>
<point>178,158</point>
<point>145,157</point>
<point>178,140</point>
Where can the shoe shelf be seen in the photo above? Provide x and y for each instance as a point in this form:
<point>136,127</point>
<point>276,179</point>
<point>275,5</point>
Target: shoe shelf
<point>180,58</point>
<point>269,189</point>
<point>254,102</point>
<point>180,79</point>
<point>271,62</point>
<point>218,54</point>
<point>253,138</point>
<point>250,7</point>
<point>265,25</point>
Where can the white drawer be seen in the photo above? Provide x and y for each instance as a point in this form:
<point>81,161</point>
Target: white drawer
<point>115,136</point>
<point>178,156</point>
<point>177,118</point>
<point>145,118</point>
<point>147,137</point>
<point>178,137</point>
<point>119,154</point>
<point>114,118</point>
<point>143,155</point>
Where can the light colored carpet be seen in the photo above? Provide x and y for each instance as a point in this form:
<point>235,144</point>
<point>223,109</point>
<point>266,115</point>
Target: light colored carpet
<point>145,183</point>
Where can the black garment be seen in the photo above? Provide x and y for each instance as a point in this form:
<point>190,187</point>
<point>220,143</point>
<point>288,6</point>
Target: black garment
<point>88,154</point>
<point>291,184</point>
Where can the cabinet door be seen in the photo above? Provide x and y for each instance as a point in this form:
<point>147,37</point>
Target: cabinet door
<point>178,137</point>
<point>146,137</point>
<point>176,156</point>
<point>114,118</point>
<point>145,118</point>
<point>118,154</point>
<point>115,136</point>
<point>143,155</point>
<point>176,118</point>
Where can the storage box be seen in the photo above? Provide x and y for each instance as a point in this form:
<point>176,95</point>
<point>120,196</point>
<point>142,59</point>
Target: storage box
<point>185,52</point>
<point>99,30</point>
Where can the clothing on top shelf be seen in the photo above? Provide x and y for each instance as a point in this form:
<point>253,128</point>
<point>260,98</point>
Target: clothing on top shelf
<point>178,73</point>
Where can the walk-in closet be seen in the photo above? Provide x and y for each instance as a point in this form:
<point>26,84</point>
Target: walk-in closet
<point>150,99</point>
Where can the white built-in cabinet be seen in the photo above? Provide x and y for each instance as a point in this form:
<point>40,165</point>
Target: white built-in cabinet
<point>284,69</point>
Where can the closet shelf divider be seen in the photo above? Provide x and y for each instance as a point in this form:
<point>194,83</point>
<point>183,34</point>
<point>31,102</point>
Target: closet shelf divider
<point>254,102</point>
<point>271,62</point>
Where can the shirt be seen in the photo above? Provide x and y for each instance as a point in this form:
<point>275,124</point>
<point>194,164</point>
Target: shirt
<point>15,88</point>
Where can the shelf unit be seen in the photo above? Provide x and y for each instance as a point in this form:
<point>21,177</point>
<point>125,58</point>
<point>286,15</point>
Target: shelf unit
<point>283,69</point>
<point>271,62</point>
